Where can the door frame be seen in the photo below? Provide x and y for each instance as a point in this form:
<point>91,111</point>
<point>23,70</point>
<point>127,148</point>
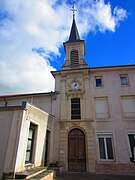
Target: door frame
<point>84,146</point>
<point>47,148</point>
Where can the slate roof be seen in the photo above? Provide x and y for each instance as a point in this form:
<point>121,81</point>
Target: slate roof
<point>74,34</point>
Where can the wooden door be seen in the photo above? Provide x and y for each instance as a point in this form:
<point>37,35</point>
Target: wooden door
<point>76,151</point>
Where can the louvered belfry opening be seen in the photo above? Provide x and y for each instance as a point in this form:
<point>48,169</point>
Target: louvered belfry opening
<point>74,57</point>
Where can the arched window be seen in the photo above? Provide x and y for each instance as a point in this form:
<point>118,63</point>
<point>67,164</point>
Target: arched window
<point>74,58</point>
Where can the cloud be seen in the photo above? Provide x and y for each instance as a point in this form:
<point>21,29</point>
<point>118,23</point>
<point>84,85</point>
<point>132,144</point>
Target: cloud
<point>31,33</point>
<point>99,16</point>
<point>27,74</point>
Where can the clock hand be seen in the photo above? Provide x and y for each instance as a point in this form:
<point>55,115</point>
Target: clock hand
<point>75,84</point>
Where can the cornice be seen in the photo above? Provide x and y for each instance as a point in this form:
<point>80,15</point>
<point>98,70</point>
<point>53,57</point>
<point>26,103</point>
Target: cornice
<point>93,69</point>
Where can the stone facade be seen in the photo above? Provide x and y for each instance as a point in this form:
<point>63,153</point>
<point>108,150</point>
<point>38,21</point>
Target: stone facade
<point>116,125</point>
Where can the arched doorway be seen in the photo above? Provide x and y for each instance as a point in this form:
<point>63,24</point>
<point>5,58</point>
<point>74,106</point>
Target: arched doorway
<point>76,151</point>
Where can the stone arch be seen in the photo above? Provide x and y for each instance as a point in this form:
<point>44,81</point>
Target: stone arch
<point>76,150</point>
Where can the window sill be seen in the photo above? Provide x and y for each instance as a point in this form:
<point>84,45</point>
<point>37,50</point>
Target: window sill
<point>71,120</point>
<point>28,164</point>
<point>79,120</point>
<point>106,161</point>
<point>129,118</point>
<point>75,119</point>
<point>99,87</point>
<point>103,119</point>
<point>124,85</point>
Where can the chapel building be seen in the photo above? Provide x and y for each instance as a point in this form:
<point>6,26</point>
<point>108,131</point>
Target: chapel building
<point>87,124</point>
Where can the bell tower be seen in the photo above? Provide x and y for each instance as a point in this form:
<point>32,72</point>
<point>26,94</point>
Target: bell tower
<point>74,105</point>
<point>74,48</point>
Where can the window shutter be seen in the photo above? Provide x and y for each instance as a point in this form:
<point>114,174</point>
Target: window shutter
<point>102,108</point>
<point>128,106</point>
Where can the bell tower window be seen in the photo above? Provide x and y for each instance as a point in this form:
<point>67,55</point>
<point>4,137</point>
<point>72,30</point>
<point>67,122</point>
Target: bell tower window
<point>74,57</point>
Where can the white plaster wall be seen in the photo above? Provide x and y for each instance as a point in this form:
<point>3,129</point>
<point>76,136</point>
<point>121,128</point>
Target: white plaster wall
<point>43,102</point>
<point>116,124</point>
<point>39,118</point>
<point>11,153</point>
<point>14,129</point>
<point>5,127</point>
<point>56,104</point>
<point>15,101</point>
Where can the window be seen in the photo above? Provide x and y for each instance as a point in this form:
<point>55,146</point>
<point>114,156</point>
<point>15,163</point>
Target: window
<point>102,108</point>
<point>105,147</point>
<point>29,151</point>
<point>75,108</point>
<point>98,81</point>
<point>74,58</point>
<point>124,79</point>
<point>132,144</point>
<point>129,106</point>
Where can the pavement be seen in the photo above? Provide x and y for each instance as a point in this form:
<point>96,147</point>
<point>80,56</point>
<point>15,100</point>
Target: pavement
<point>90,176</point>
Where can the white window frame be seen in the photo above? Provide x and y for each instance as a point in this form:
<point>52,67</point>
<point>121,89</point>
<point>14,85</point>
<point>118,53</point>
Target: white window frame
<point>131,133</point>
<point>32,139</point>
<point>104,136</point>
<point>98,77</point>
<point>127,80</point>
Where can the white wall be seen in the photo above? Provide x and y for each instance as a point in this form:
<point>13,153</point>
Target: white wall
<point>5,126</point>
<point>40,119</point>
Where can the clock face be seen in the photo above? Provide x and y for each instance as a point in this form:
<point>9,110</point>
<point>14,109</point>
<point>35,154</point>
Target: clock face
<point>75,85</point>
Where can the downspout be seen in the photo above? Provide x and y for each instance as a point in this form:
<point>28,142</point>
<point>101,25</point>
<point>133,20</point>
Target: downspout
<point>5,102</point>
<point>53,97</point>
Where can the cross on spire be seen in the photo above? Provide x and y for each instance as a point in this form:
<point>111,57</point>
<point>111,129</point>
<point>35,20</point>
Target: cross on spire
<point>74,35</point>
<point>73,9</point>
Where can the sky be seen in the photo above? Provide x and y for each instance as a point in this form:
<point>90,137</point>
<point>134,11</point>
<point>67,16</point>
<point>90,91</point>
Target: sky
<point>32,33</point>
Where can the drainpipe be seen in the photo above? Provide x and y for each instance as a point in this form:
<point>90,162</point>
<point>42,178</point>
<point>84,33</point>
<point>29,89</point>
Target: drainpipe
<point>53,97</point>
<point>5,102</point>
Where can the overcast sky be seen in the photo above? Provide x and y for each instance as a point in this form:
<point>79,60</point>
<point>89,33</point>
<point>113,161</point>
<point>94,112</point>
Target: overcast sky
<point>32,33</point>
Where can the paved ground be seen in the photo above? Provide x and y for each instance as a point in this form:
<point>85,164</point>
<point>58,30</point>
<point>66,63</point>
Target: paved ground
<point>89,176</point>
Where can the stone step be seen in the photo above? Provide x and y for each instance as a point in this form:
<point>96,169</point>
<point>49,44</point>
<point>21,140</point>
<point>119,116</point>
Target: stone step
<point>35,171</point>
<point>46,175</point>
<point>30,173</point>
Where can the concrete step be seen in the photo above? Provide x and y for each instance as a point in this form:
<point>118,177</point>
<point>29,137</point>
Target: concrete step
<point>46,175</point>
<point>35,171</point>
<point>30,173</point>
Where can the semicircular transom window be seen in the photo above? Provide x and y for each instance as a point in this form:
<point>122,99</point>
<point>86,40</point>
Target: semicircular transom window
<point>74,57</point>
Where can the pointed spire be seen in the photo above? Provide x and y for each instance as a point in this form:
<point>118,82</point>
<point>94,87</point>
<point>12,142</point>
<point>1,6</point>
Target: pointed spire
<point>74,35</point>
